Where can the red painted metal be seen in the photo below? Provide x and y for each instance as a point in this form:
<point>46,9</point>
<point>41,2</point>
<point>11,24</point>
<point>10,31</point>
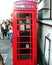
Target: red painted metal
<point>24,33</point>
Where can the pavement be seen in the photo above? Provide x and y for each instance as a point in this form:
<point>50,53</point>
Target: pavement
<point>6,51</point>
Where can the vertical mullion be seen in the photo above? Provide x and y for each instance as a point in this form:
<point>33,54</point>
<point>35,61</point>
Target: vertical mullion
<point>19,35</point>
<point>30,38</point>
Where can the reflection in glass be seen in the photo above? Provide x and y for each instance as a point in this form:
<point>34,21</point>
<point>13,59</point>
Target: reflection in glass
<point>25,39</point>
<point>24,57</point>
<point>24,33</point>
<point>25,51</point>
<point>28,21</point>
<point>28,27</point>
<point>22,27</point>
<point>25,45</point>
<point>22,21</point>
<point>24,15</point>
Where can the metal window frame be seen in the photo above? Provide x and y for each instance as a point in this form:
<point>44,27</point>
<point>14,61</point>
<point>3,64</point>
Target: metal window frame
<point>49,49</point>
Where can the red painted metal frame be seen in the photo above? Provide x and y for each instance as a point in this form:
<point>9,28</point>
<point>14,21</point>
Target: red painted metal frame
<point>32,11</point>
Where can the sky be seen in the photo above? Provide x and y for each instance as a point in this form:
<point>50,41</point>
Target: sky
<point>6,7</point>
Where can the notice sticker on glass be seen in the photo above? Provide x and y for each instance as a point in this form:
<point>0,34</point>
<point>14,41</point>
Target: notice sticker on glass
<point>27,45</point>
<point>28,27</point>
<point>22,27</point>
<point>28,21</point>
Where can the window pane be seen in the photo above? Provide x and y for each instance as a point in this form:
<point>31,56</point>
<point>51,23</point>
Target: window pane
<point>24,33</point>
<point>25,51</point>
<point>25,57</point>
<point>25,15</point>
<point>24,39</point>
<point>25,45</point>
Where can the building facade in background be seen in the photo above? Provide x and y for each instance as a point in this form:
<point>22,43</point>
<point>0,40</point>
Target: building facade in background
<point>45,31</point>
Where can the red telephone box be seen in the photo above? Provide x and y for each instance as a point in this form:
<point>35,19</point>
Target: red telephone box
<point>24,33</point>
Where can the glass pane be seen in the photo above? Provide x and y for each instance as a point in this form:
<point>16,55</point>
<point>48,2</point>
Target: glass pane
<point>25,15</point>
<point>24,57</point>
<point>25,45</point>
<point>24,33</point>
<point>27,21</point>
<point>28,27</point>
<point>25,27</point>
<point>22,27</point>
<point>22,21</point>
<point>24,39</point>
<point>25,51</point>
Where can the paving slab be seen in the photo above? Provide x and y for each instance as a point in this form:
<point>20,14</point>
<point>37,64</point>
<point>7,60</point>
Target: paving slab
<point>6,51</point>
